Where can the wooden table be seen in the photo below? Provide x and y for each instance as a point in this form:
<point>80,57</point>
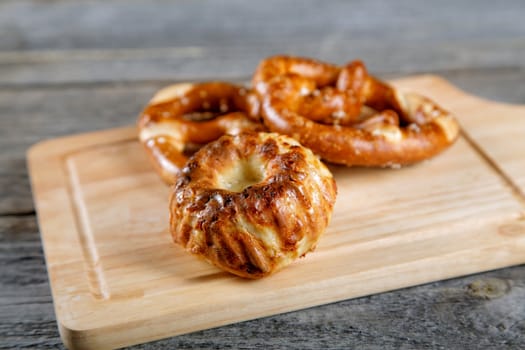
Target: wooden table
<point>68,67</point>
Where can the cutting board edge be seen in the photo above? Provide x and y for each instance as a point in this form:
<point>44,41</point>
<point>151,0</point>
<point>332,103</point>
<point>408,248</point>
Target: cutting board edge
<point>407,81</point>
<point>45,150</point>
<point>92,337</point>
<point>62,146</point>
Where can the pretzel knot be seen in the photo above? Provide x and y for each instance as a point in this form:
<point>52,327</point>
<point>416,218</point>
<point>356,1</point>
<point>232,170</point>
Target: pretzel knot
<point>349,117</point>
<point>183,117</point>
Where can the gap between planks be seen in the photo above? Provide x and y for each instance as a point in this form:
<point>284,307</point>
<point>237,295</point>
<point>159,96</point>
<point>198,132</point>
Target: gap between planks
<point>240,79</point>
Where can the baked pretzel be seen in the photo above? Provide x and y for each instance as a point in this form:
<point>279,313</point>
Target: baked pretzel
<point>252,203</point>
<point>182,117</point>
<point>349,117</point>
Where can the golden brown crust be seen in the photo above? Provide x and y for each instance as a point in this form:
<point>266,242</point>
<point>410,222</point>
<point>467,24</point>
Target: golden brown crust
<point>252,203</point>
<point>322,106</point>
<point>186,116</point>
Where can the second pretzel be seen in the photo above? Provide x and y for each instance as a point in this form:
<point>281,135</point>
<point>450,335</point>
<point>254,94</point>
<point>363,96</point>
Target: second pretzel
<point>349,117</point>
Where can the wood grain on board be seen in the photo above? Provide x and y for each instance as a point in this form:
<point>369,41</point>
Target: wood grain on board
<point>70,67</point>
<point>118,280</point>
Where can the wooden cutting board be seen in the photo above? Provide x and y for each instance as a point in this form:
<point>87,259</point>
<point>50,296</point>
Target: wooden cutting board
<point>117,279</point>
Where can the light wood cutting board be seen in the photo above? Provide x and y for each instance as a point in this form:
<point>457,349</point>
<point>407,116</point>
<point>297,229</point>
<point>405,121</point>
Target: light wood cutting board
<point>117,279</point>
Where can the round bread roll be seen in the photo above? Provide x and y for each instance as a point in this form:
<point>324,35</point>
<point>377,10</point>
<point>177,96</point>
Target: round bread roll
<point>252,203</point>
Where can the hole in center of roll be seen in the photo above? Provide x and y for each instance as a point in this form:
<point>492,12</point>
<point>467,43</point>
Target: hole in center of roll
<point>242,174</point>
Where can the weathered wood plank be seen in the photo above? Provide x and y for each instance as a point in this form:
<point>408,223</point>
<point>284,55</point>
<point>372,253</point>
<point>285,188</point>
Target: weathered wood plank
<point>30,25</point>
<point>59,61</point>
<point>201,63</point>
<point>35,114</point>
<point>26,309</point>
<point>98,41</point>
<point>455,315</point>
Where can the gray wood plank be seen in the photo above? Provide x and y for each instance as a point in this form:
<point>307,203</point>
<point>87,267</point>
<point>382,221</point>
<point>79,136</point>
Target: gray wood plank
<point>26,311</point>
<point>61,41</point>
<point>62,24</point>
<point>68,67</point>
<point>32,115</point>
<point>102,66</point>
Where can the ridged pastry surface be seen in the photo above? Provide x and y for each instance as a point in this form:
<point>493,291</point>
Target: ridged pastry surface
<point>252,203</point>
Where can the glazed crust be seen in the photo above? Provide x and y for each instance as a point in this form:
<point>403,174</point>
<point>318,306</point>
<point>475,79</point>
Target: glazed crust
<point>182,117</point>
<point>322,106</point>
<point>252,203</point>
